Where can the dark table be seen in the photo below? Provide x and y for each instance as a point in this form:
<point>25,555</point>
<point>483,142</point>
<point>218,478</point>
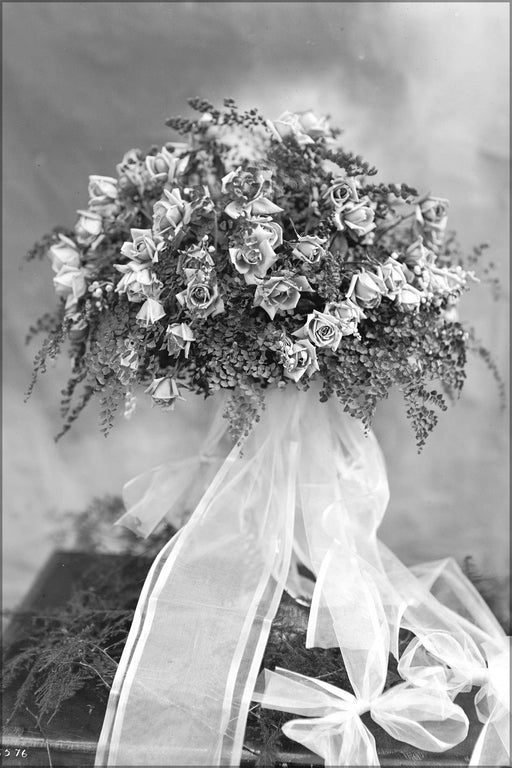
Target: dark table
<point>71,737</point>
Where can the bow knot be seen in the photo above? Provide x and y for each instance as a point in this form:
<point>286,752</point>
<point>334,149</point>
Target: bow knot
<point>361,706</point>
<point>333,727</point>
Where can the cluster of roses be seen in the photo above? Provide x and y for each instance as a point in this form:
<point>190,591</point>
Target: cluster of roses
<point>409,279</point>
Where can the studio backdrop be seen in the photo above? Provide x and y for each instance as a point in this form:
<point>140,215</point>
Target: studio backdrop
<point>421,91</point>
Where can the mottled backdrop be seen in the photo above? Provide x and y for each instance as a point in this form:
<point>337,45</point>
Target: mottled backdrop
<point>421,90</point>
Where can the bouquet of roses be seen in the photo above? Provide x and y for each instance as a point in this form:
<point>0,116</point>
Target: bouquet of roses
<point>252,258</point>
<point>256,254</point>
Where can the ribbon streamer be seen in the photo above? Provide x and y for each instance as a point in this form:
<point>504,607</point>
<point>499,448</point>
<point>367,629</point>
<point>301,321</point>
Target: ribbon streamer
<point>175,487</point>
<point>183,688</point>
<point>446,581</point>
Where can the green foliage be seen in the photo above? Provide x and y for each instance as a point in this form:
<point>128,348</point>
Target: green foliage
<point>476,346</point>
<point>326,194</point>
<point>50,349</point>
<point>73,646</point>
<point>47,323</point>
<point>40,249</point>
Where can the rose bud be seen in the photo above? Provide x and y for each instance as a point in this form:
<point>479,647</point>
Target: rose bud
<point>309,248</point>
<point>366,289</point>
<point>65,253</point>
<point>150,312</point>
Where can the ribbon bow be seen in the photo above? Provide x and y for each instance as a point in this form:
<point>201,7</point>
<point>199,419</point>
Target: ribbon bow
<point>425,718</point>
<point>440,660</point>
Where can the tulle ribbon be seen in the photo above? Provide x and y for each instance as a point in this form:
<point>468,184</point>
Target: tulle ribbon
<point>172,490</point>
<point>440,660</point>
<point>424,717</point>
<point>428,719</point>
<point>456,662</point>
<point>310,488</point>
<point>184,684</point>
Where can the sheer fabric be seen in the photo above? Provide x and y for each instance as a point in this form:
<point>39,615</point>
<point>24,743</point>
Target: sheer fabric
<point>309,487</point>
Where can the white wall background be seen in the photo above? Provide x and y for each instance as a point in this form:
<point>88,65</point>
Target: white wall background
<point>421,90</point>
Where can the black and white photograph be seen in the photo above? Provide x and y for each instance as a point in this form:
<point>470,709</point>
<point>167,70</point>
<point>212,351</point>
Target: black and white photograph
<point>256,391</point>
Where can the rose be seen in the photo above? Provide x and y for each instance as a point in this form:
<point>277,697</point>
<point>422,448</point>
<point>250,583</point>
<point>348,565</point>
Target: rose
<point>342,191</point>
<point>164,391</point>
<point>70,284</point>
<point>347,313</point>
<point>417,254</point>
<point>64,253</point>
<point>194,259</point>
<point>393,275</point>
<point>204,205</point>
<point>202,297</point>
<point>103,196</point>
<point>433,211</point>
<point>103,190</point>
<point>249,184</point>
<point>254,259</point>
<point>357,217</point>
<point>179,337</point>
<point>143,247</point>
<point>304,127</point>
<point>280,293</point>
<point>138,281</point>
<point>265,236</point>
<point>267,230</point>
<point>313,125</point>
<point>432,219</point>
<point>132,170</point>
<point>409,298</point>
<point>253,263</point>
<point>367,289</point>
<point>288,125</point>
<point>322,329</point>
<point>105,210</point>
<point>309,248</point>
<point>261,206</point>
<point>297,358</point>
<point>249,188</point>
<point>170,214</point>
<point>165,166</point>
<point>151,311</point>
<point>88,228</point>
